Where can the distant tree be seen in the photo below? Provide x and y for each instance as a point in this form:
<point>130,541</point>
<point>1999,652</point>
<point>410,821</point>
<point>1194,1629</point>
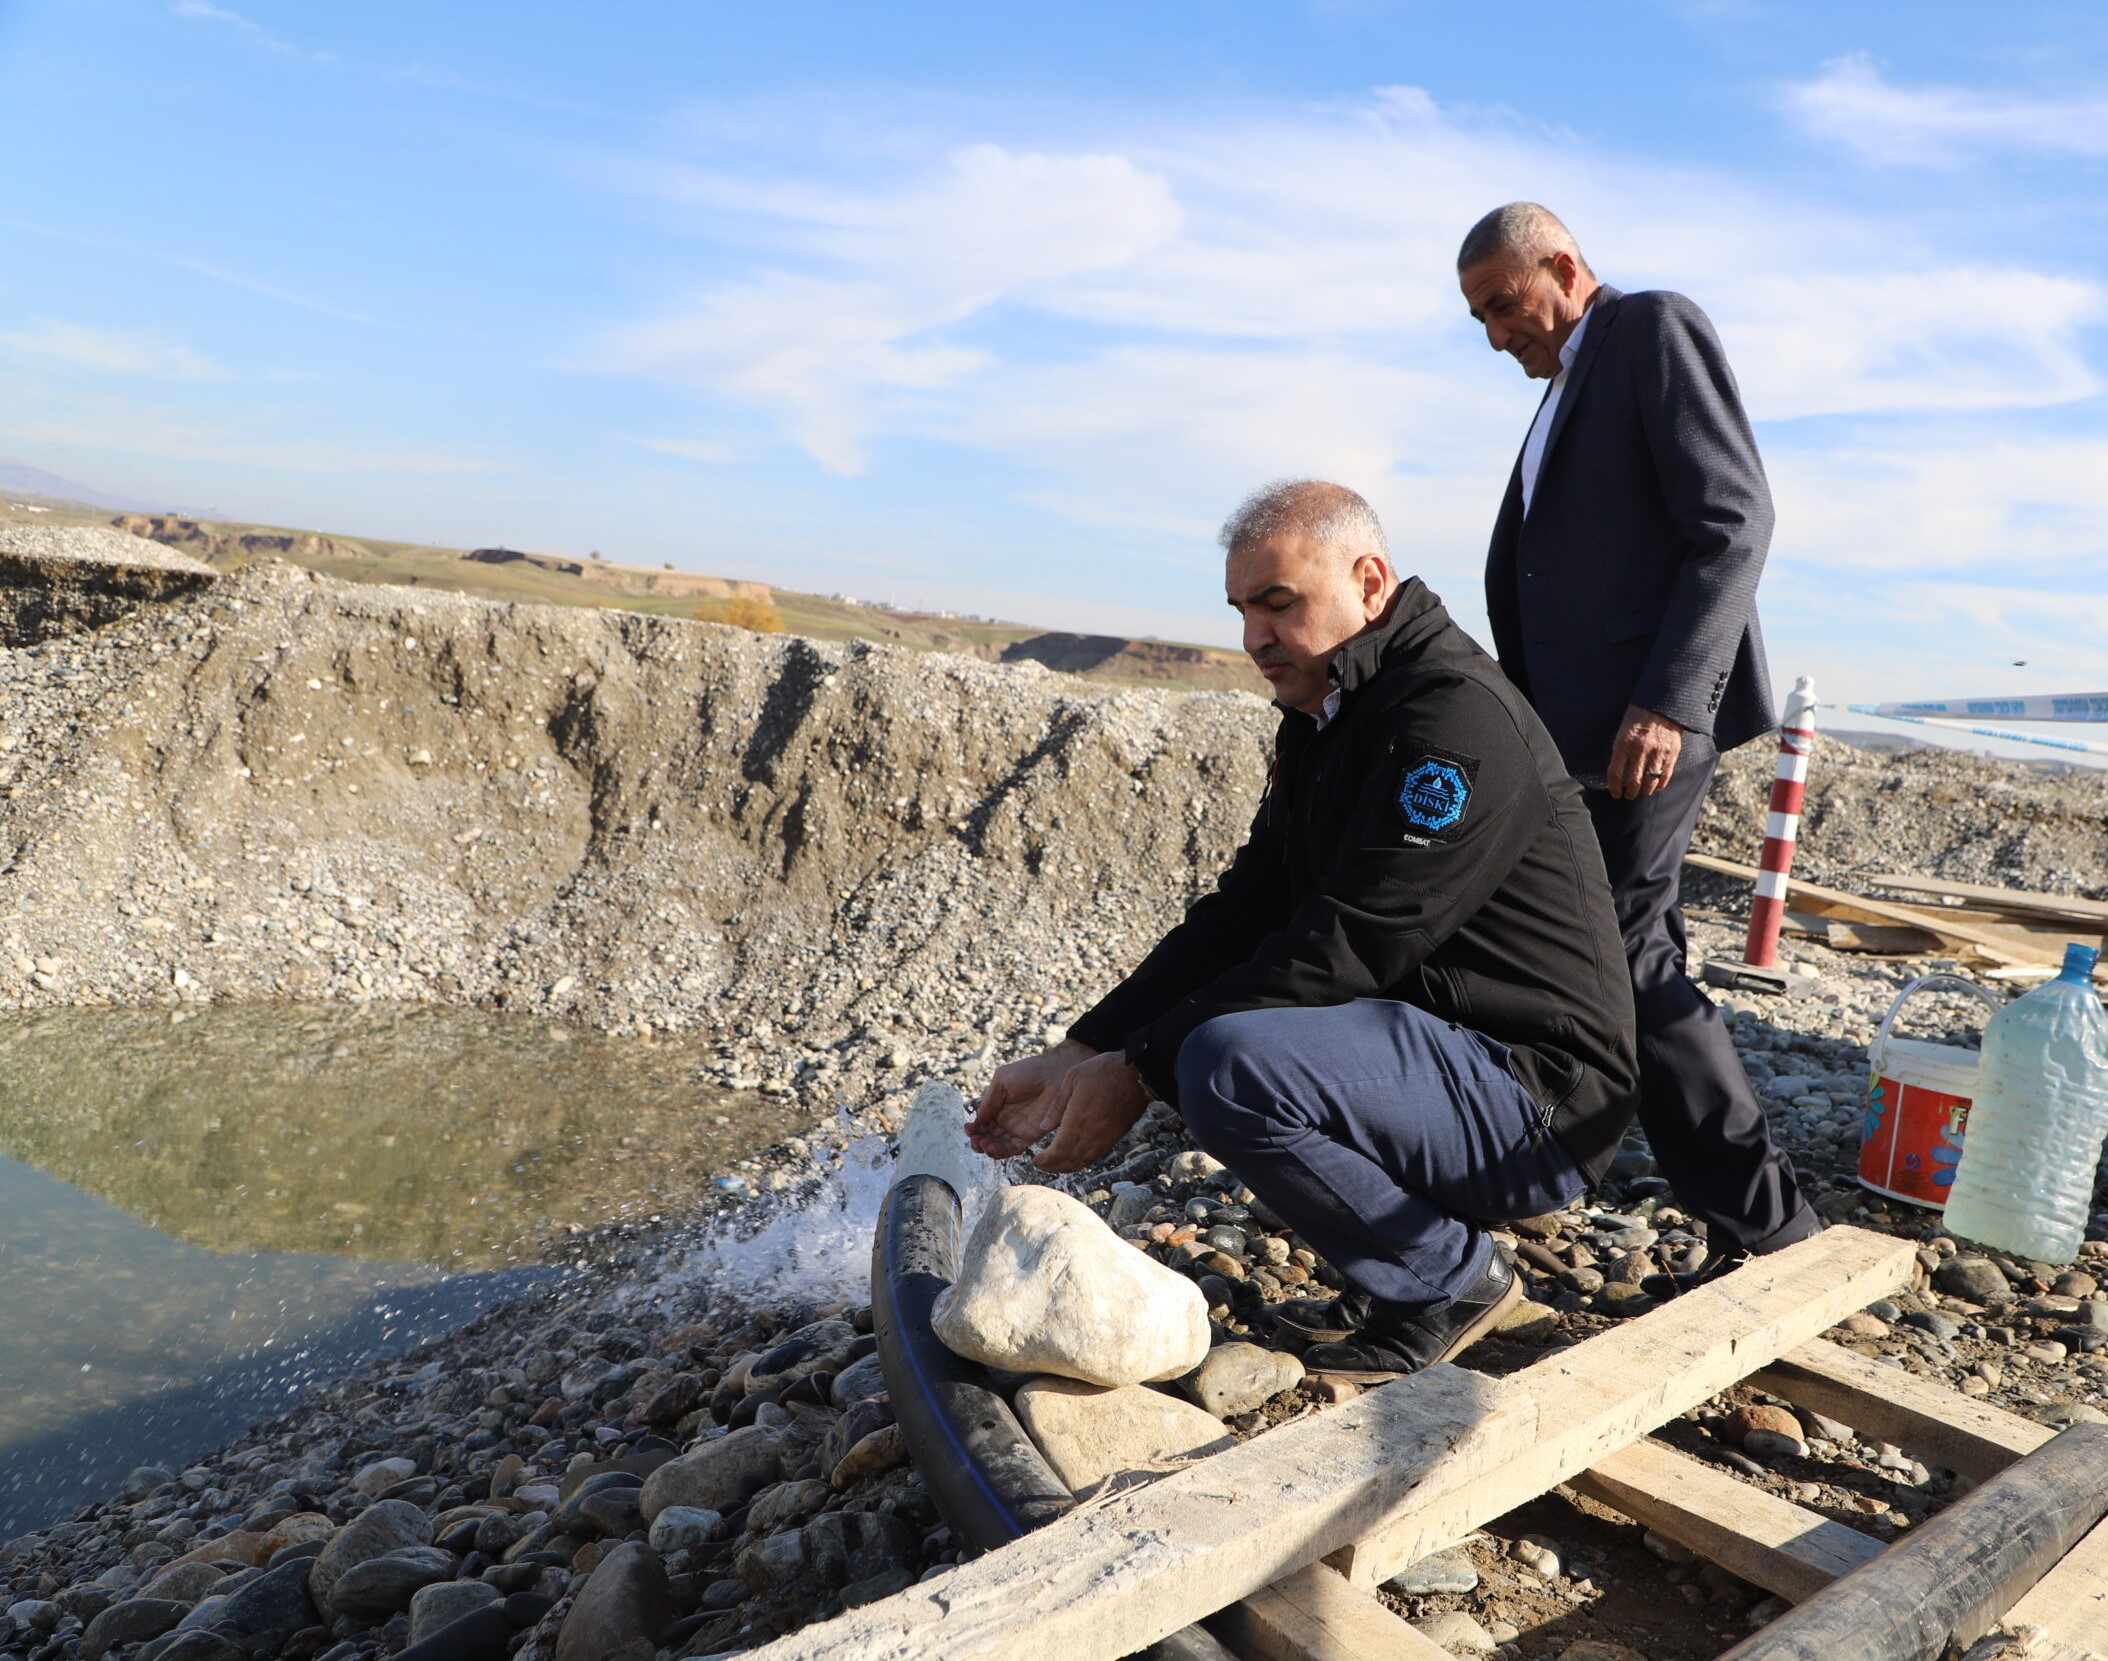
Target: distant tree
<point>595,554</point>
<point>743,612</point>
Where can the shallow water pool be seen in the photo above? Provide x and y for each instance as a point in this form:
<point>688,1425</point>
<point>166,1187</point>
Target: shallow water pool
<point>203,1212</point>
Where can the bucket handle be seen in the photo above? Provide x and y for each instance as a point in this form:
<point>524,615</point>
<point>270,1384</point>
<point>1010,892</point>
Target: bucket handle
<point>1877,1051</point>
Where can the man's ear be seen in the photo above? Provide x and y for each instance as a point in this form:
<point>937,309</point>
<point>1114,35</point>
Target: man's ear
<point>1372,572</point>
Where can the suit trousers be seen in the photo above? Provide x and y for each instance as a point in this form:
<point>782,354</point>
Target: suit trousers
<point>1380,1133</point>
<point>1702,1120</point>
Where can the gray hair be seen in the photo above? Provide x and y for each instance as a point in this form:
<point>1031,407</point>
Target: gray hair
<point>1519,231</point>
<point>1331,515</point>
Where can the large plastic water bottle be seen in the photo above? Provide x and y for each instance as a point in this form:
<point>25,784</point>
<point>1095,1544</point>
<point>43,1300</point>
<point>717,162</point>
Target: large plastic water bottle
<point>2025,1184</point>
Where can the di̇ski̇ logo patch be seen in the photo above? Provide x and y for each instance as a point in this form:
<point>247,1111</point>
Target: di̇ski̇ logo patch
<point>1434,794</point>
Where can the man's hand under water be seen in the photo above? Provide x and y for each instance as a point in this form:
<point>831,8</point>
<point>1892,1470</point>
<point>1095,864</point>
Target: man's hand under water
<point>1087,1101</point>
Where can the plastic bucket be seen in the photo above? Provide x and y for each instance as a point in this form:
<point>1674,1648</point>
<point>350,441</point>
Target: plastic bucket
<point>1917,1105</point>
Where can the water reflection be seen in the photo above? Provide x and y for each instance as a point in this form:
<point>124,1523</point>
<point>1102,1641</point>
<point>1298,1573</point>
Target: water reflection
<point>407,1135</point>
<point>200,1217</point>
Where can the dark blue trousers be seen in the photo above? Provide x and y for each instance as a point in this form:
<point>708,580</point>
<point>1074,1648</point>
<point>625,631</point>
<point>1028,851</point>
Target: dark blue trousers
<point>1381,1134</point>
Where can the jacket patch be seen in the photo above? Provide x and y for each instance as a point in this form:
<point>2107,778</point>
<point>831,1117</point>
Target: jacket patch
<point>1434,794</point>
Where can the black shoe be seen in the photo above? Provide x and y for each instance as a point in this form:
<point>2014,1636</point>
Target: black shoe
<point>1669,1283</point>
<point>1317,1319</point>
<point>1391,1343</point>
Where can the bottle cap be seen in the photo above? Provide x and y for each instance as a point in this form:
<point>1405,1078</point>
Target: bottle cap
<point>2078,962</point>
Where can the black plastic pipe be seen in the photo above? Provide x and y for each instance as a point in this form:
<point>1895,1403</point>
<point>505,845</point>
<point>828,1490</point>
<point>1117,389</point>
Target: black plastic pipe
<point>988,1480</point>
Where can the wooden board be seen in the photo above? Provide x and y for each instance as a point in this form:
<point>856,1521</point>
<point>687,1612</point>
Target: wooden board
<point>2063,907</point>
<point>1953,1577</point>
<point>1999,944</point>
<point>1769,1542</point>
<point>1117,1574</point>
<point>1605,1394</point>
<point>1841,935</point>
<point>1315,1615</point>
<point>1935,1423</point>
<point>2070,1603</point>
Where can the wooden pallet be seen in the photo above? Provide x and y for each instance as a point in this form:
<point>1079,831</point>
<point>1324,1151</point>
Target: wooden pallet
<point>1278,1543</point>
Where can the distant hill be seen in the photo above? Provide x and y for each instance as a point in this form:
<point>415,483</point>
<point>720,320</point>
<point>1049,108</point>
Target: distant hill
<point>500,573</point>
<point>18,478</point>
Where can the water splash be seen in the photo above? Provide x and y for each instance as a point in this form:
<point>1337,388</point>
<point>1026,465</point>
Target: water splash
<point>812,1245</point>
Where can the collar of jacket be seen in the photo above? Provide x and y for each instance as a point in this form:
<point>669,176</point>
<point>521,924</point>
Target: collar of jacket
<point>1602,311</point>
<point>1416,615</point>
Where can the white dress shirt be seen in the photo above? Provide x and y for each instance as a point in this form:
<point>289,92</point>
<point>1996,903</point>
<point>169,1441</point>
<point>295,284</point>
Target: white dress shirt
<point>1541,428</point>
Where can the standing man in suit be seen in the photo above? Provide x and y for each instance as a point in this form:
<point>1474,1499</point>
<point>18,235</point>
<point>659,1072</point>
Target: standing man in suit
<point>1621,584</point>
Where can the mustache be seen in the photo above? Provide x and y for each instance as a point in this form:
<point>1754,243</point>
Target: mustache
<point>1273,655</point>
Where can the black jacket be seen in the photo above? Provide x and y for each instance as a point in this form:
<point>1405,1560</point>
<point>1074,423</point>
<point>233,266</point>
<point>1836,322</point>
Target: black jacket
<point>1427,846</point>
<point>1633,579</point>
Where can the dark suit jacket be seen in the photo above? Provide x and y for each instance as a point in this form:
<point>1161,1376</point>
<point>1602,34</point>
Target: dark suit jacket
<point>1633,579</point>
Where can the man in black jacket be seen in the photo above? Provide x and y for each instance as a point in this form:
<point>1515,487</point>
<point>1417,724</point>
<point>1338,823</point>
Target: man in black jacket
<point>1621,584</point>
<point>1403,1012</point>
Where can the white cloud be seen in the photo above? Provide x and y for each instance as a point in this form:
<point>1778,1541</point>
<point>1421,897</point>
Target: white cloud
<point>991,226</point>
<point>1210,294</point>
<point>1842,342</point>
<point>109,352</point>
<point>689,449</point>
<point>201,11</point>
<point>1920,502</point>
<point>1850,102</point>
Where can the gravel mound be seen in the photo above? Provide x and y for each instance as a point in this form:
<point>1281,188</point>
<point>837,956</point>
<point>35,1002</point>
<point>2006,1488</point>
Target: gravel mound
<point>96,545</point>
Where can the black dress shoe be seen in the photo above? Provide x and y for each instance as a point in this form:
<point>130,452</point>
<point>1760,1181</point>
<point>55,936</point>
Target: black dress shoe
<point>1669,1284</point>
<point>1317,1319</point>
<point>1391,1343</point>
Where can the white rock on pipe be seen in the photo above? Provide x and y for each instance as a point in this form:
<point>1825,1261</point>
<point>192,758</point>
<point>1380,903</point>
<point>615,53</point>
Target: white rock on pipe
<point>1045,1287</point>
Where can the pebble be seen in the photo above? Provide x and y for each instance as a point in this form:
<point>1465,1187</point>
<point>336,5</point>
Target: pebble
<point>1977,1279</point>
<point>1448,1571</point>
<point>435,1607</point>
<point>377,1478</point>
<point>1769,1444</point>
<point>1537,1554</point>
<point>1457,1632</point>
<point>1241,1378</point>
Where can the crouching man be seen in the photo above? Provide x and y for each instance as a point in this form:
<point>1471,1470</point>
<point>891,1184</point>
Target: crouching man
<point>1403,1013</point>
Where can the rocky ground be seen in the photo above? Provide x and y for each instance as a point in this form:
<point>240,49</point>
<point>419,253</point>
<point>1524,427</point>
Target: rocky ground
<point>863,869</point>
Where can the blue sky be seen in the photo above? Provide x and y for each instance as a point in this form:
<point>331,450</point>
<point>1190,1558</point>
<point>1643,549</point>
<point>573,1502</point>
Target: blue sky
<point>1001,308</point>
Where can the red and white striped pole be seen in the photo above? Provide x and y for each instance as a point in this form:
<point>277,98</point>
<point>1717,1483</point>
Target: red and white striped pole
<point>1767,907</point>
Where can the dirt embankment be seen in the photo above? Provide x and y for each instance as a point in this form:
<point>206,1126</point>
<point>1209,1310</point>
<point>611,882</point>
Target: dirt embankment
<point>217,545</point>
<point>859,858</point>
<point>1114,657</point>
<point>1931,812</point>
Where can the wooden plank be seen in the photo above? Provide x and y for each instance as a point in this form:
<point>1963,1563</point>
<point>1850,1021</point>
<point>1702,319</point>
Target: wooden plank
<point>2070,1603</point>
<point>1938,1425</point>
<point>1119,1573</point>
<point>1605,1394</point>
<point>1116,1574</point>
<point>2060,906</point>
<point>1315,1615</point>
<point>1813,896</point>
<point>1769,1542</point>
<point>1952,1578</point>
<point>1842,935</point>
